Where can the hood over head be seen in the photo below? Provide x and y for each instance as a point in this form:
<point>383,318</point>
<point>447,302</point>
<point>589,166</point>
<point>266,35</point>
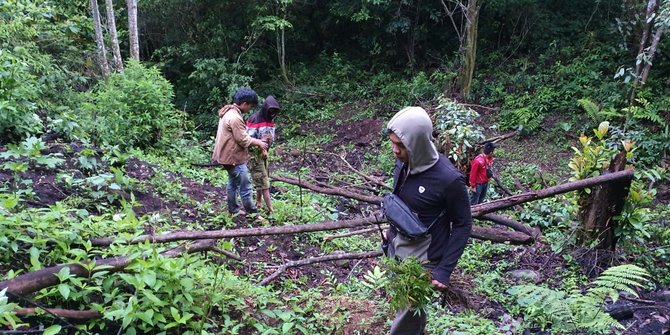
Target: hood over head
<point>227,108</point>
<point>270,108</point>
<point>414,128</point>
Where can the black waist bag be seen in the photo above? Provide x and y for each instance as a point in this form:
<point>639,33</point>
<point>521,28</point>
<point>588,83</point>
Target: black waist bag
<point>403,219</point>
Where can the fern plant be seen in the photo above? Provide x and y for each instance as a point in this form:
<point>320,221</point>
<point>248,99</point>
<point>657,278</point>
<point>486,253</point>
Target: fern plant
<point>643,111</point>
<point>576,311</point>
<point>596,113</point>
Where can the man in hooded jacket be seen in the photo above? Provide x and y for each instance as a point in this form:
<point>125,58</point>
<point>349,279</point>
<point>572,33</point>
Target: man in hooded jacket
<point>231,150</point>
<point>261,125</point>
<point>435,190</point>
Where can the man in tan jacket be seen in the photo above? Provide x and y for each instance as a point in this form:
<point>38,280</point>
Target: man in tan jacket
<point>231,149</point>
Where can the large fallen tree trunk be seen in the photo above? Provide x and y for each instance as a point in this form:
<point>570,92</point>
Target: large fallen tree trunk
<point>535,233</point>
<point>37,280</point>
<point>500,236</point>
<point>504,203</point>
<point>478,211</point>
<point>261,231</point>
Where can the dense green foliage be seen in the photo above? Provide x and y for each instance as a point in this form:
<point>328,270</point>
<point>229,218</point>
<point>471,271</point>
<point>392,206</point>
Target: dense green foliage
<point>133,108</point>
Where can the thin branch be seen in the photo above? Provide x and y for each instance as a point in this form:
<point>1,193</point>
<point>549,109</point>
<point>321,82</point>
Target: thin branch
<point>226,253</point>
<point>326,258</point>
<point>353,232</point>
<point>71,314</point>
<point>329,190</point>
<point>364,176</point>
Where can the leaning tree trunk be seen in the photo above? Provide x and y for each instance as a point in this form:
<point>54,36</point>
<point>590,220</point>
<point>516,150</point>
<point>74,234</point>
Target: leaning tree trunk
<point>470,49</point>
<point>599,208</point>
<point>111,23</point>
<point>132,30</point>
<point>645,53</point>
<point>99,41</point>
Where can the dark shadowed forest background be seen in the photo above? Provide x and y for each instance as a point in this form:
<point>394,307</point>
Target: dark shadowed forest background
<point>113,221</point>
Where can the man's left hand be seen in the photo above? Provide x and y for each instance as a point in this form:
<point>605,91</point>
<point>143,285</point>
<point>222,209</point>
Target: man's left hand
<point>438,285</point>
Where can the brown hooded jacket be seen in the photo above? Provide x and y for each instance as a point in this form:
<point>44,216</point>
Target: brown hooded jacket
<point>232,141</point>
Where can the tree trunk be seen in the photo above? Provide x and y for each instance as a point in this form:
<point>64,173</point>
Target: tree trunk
<point>599,208</point>
<point>469,51</point>
<point>132,30</point>
<point>650,55</point>
<point>508,202</point>
<point>111,23</point>
<point>641,62</point>
<point>281,49</point>
<point>99,41</point>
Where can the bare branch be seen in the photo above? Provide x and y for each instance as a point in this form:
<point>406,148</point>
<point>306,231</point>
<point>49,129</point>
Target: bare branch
<point>84,315</point>
<point>326,258</point>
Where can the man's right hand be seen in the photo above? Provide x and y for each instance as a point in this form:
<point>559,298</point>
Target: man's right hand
<point>261,144</point>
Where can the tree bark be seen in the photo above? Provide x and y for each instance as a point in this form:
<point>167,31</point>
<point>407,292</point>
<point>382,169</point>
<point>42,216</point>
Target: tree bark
<point>641,63</point>
<point>132,30</point>
<point>99,40</point>
<point>651,53</point>
<point>599,209</point>
<point>261,231</point>
<point>518,226</point>
<point>111,26</point>
<point>500,236</point>
<point>469,52</point>
<point>504,203</point>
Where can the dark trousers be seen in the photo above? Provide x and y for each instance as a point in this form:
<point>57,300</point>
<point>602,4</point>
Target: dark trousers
<point>479,193</point>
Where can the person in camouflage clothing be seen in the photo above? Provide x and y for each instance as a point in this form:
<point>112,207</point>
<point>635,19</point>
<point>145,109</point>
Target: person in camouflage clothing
<point>261,126</point>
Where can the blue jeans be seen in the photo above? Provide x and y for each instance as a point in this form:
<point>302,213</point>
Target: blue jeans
<point>238,180</point>
<point>477,197</point>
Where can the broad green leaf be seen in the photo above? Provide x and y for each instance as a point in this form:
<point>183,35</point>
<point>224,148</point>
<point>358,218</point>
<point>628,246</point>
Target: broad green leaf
<point>64,290</point>
<point>55,329</point>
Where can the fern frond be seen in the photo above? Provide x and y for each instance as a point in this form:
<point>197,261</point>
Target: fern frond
<point>553,303</point>
<point>590,107</point>
<point>617,279</point>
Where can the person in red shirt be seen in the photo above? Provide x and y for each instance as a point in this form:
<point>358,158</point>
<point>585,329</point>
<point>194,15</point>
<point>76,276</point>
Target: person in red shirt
<point>480,173</point>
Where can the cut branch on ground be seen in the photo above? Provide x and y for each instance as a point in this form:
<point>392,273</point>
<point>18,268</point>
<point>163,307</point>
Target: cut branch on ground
<point>326,258</point>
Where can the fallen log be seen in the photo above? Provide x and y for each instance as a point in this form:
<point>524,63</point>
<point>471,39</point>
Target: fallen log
<point>71,314</point>
<point>518,226</point>
<point>260,231</point>
<point>326,258</point>
<point>504,203</point>
<point>478,211</point>
<point>37,280</point>
<point>500,236</point>
<point>329,190</point>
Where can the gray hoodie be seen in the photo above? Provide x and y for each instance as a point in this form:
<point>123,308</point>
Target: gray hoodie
<point>414,128</point>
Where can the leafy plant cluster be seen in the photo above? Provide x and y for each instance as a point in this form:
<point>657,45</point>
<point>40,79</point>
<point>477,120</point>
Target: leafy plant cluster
<point>188,294</point>
<point>546,85</point>
<point>406,282</point>
<point>594,158</point>
<point>41,61</point>
<point>457,130</point>
<point>133,108</point>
